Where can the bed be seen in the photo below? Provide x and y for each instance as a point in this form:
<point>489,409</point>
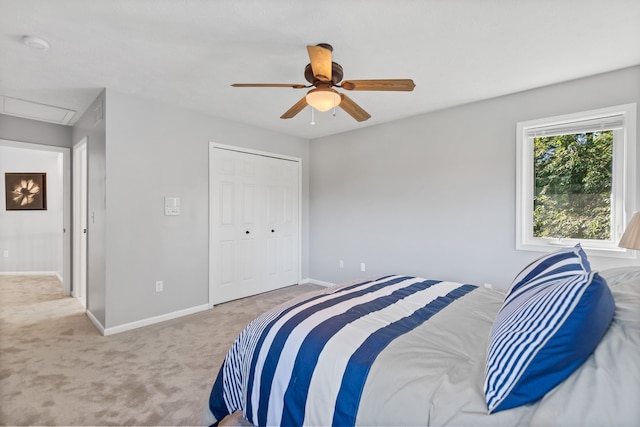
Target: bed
<point>402,350</point>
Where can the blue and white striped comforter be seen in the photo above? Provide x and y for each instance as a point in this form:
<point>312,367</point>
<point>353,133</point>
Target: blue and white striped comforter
<point>307,362</point>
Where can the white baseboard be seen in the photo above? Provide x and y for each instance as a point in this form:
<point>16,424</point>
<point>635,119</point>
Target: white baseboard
<point>95,321</point>
<point>30,273</point>
<point>316,282</point>
<point>153,320</point>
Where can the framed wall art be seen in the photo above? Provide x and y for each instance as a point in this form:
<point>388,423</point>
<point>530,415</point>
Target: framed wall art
<point>25,191</point>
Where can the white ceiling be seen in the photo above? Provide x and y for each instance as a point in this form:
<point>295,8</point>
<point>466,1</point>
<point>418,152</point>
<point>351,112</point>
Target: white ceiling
<point>188,52</point>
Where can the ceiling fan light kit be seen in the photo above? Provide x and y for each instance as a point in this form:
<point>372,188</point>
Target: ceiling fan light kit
<point>324,75</point>
<point>323,99</point>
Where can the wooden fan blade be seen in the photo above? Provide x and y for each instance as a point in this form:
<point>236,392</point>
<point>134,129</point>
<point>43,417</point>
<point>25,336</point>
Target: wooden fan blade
<point>320,59</point>
<point>299,106</point>
<point>386,84</point>
<point>353,109</point>
<point>293,85</point>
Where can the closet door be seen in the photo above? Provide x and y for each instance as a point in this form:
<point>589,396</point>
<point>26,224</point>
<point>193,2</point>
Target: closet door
<point>281,196</point>
<point>254,224</point>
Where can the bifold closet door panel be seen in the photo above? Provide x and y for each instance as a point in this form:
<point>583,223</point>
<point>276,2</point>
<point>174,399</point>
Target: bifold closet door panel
<point>282,222</point>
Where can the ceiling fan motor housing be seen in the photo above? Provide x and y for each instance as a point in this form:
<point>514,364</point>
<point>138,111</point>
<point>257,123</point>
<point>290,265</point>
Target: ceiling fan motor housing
<point>336,74</point>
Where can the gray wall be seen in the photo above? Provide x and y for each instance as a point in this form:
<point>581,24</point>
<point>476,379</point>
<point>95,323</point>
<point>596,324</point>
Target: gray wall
<point>434,195</point>
<point>25,130</point>
<point>153,151</point>
<point>92,125</point>
<point>138,153</point>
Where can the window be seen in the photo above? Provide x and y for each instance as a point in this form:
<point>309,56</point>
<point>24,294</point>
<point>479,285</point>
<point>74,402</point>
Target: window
<point>576,180</point>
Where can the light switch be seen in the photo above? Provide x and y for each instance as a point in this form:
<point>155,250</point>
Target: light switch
<point>171,206</point>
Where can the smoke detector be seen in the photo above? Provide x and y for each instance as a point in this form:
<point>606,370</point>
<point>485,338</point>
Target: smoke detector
<point>35,42</point>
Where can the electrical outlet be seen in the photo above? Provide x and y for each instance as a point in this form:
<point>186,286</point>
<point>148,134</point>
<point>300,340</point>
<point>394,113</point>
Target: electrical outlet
<point>363,267</point>
<point>5,253</point>
<point>341,264</point>
<point>159,286</point>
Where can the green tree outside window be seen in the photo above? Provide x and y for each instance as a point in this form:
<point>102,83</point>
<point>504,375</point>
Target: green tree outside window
<point>573,176</point>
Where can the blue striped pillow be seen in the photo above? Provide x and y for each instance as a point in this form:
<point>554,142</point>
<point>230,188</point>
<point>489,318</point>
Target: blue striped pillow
<point>557,264</point>
<point>548,325</point>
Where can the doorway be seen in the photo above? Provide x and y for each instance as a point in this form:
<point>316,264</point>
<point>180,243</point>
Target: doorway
<point>53,255</point>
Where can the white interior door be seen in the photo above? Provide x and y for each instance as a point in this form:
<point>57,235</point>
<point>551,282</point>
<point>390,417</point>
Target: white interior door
<point>80,221</point>
<point>254,223</point>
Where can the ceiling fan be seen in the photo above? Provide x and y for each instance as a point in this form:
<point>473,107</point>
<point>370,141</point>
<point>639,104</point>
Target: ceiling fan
<point>324,75</point>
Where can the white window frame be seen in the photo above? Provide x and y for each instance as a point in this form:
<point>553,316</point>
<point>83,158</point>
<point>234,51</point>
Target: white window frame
<point>623,180</point>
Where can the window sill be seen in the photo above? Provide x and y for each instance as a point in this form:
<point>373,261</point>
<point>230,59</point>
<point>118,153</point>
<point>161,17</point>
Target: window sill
<point>602,250</point>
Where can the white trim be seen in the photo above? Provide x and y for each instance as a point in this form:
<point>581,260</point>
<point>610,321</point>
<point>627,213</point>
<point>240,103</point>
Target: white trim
<point>252,151</point>
<point>625,174</point>
<point>80,155</point>
<point>316,282</point>
<point>153,320</point>
<point>30,273</point>
<point>95,321</point>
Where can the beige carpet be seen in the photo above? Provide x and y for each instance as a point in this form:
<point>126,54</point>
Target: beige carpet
<point>56,368</point>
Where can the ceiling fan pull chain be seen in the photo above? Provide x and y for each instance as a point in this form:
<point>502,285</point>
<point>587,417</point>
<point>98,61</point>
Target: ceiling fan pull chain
<point>313,122</point>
